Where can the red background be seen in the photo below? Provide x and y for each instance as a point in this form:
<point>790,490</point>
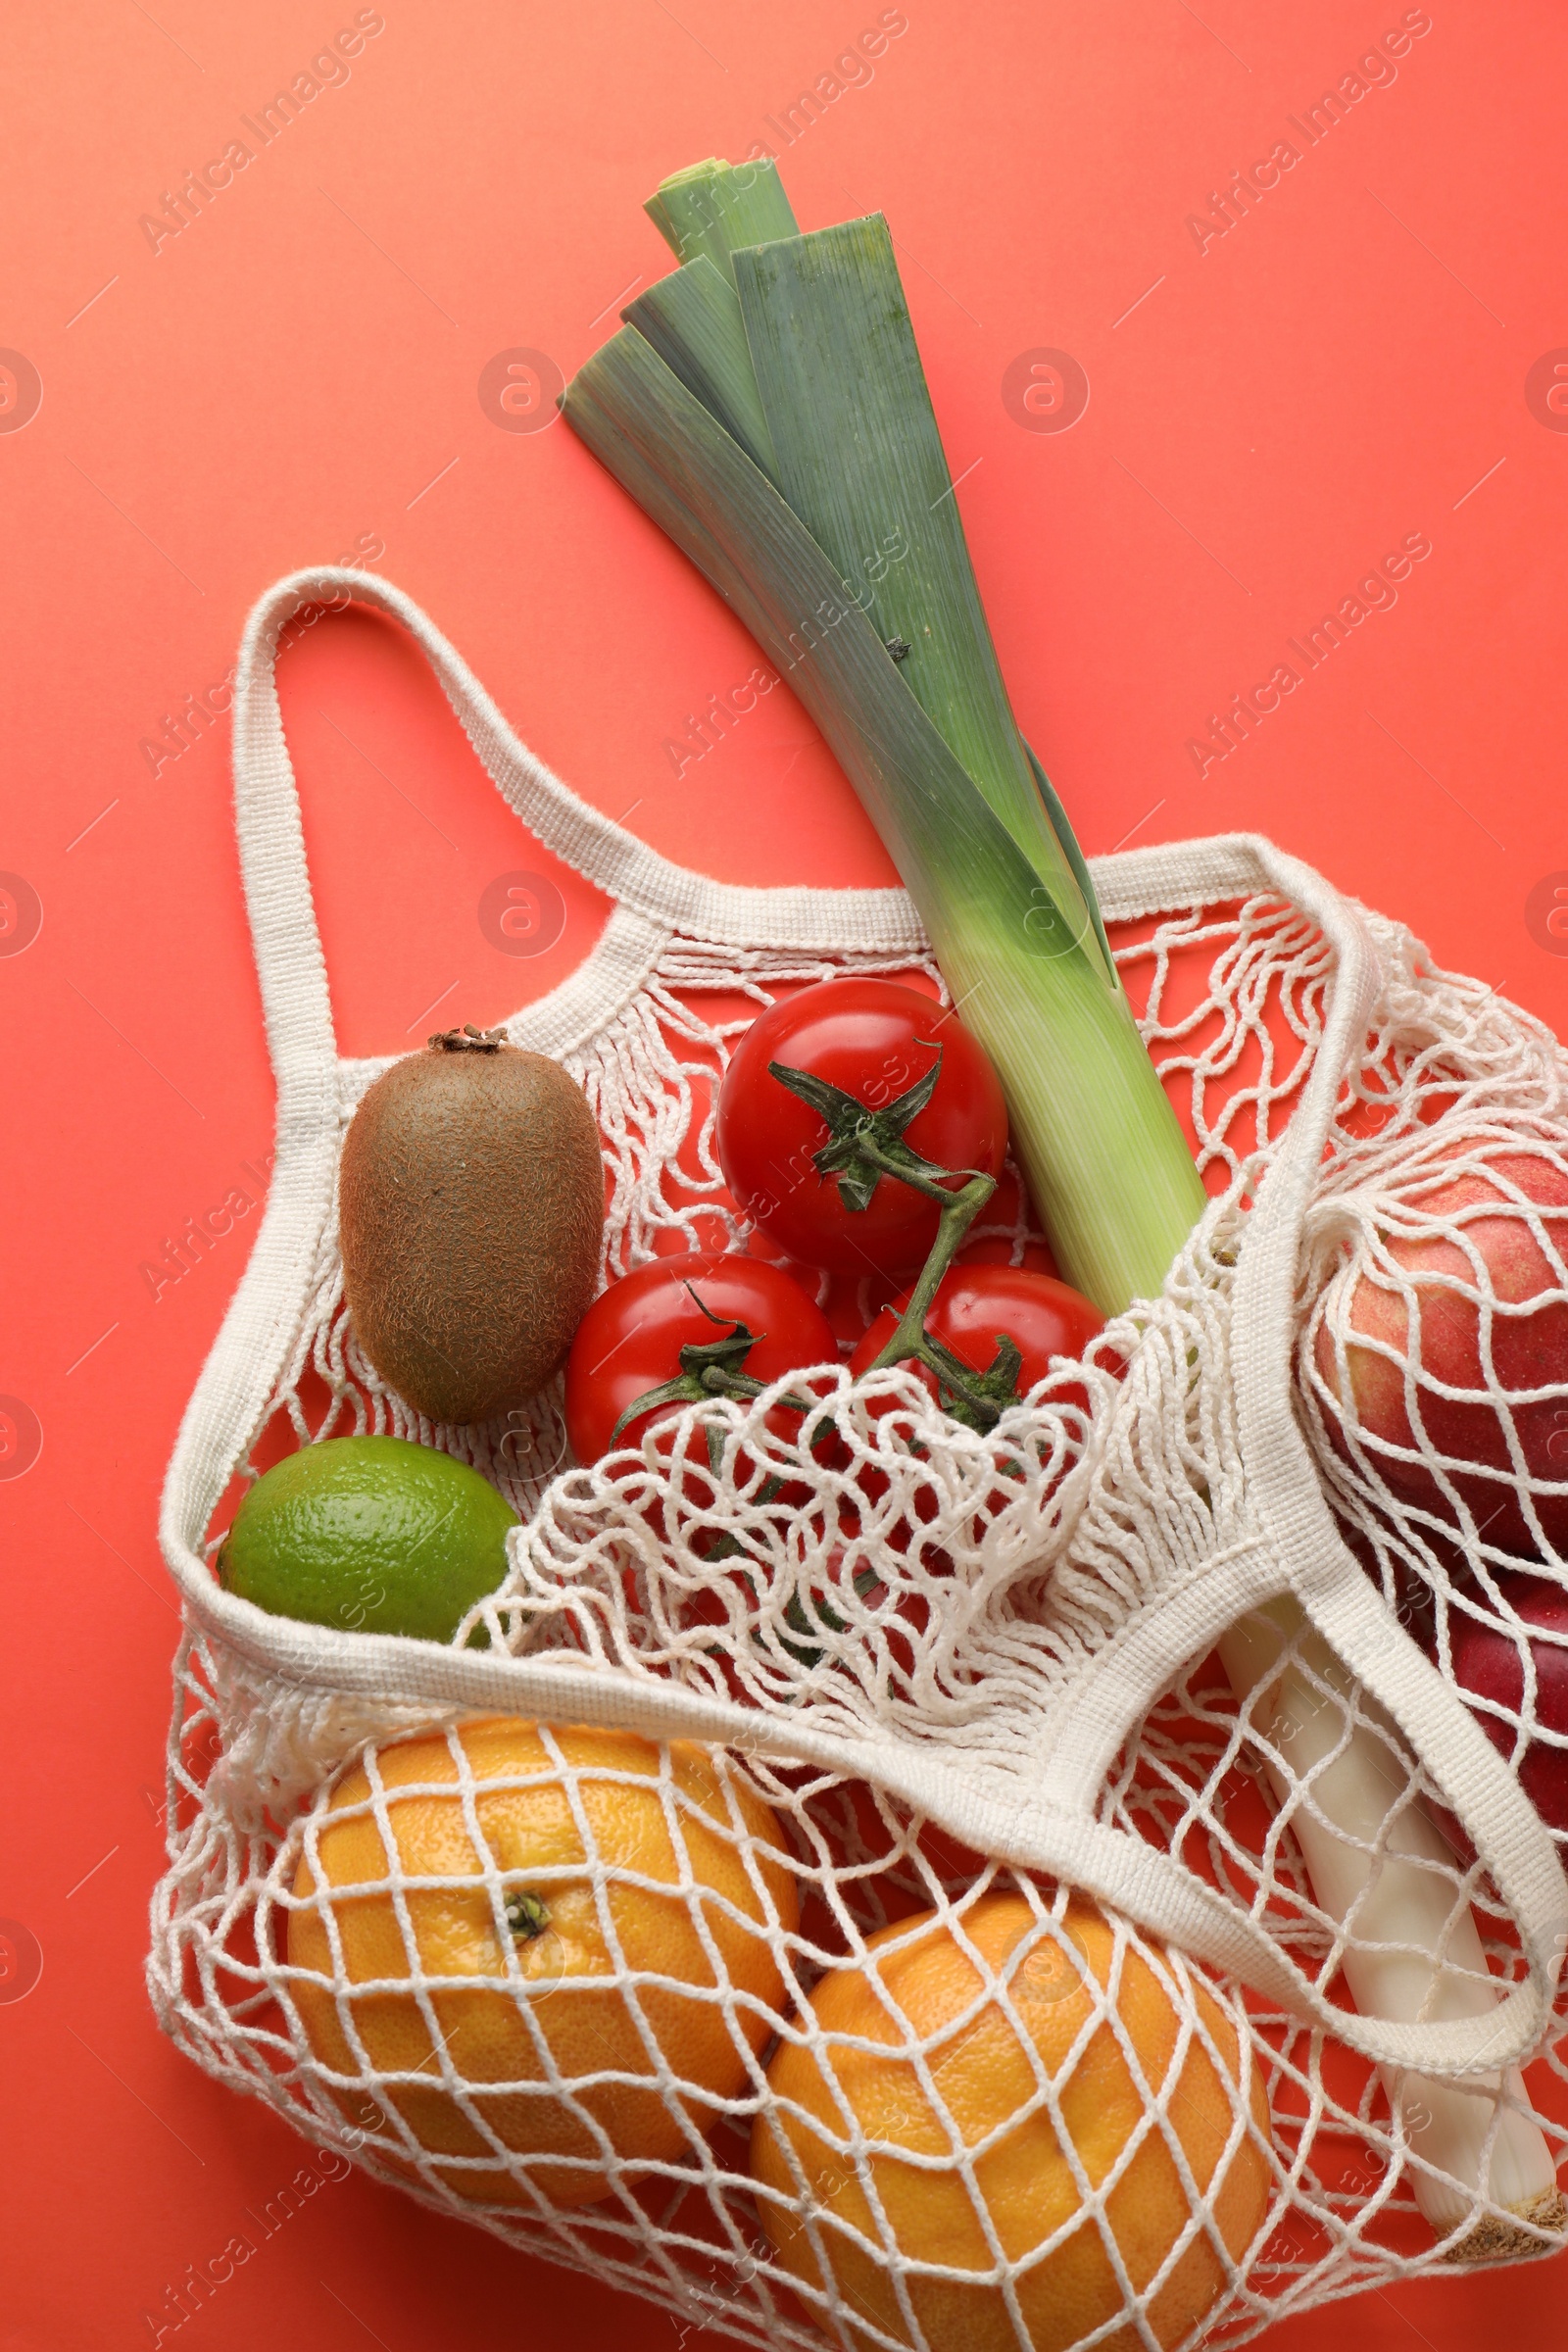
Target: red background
<point>294,376</point>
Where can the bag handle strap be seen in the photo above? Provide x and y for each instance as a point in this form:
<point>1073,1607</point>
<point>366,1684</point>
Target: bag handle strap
<point>288,948</point>
<point>1290,1543</point>
<point>1000,1814</point>
<point>1287,1499</point>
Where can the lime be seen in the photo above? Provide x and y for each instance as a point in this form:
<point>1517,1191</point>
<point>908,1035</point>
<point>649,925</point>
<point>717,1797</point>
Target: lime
<point>371,1535</point>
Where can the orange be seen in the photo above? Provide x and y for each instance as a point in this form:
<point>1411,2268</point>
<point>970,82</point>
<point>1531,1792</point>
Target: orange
<point>994,2079</point>
<point>519,1950</point>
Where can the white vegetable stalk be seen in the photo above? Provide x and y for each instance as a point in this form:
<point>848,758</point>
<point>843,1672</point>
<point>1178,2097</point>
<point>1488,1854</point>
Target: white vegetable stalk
<point>1401,1922</point>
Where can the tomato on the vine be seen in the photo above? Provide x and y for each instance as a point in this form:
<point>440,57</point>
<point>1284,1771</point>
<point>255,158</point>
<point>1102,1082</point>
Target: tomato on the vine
<point>996,1249</point>
<point>877,1042</point>
<point>977,1308</point>
<point>630,1341</point>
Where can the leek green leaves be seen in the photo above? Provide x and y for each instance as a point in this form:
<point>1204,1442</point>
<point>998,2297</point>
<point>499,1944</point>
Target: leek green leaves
<point>766,405</point>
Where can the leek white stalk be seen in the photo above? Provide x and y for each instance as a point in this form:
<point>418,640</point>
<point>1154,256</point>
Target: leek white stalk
<point>1404,1917</point>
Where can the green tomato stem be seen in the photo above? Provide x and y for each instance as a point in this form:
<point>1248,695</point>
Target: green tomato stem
<point>959,1212</point>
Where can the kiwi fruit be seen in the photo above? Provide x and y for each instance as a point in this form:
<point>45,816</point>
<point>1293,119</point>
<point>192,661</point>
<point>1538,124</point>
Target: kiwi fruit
<point>472,1206</point>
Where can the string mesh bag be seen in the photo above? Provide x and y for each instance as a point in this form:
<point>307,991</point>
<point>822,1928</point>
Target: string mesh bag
<point>869,1880</point>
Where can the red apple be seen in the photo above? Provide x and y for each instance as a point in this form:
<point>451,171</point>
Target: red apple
<point>1488,1662</point>
<point>1486,1289</point>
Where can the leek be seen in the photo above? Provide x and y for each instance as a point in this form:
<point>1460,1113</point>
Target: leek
<point>861,461</point>
<point>692,321</point>
<point>1391,1876</point>
<point>816,499</point>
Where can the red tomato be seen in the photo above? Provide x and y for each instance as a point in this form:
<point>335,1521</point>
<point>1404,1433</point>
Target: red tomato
<point>996,1250</point>
<point>630,1339</point>
<point>977,1304</point>
<point>874,1041</point>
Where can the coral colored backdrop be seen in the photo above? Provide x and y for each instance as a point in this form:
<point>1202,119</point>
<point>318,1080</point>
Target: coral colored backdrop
<point>1205,350</point>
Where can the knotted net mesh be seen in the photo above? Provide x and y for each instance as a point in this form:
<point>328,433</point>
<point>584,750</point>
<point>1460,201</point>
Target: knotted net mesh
<point>788,2033</point>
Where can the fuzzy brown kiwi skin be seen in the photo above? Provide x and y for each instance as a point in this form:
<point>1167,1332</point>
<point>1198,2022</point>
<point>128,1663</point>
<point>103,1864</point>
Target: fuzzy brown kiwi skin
<point>471,1211</point>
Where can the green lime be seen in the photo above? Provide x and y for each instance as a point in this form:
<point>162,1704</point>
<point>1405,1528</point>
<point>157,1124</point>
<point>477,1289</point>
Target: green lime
<point>371,1535</point>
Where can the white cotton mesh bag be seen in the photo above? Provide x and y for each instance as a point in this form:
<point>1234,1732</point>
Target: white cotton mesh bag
<point>1036,1760</point>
